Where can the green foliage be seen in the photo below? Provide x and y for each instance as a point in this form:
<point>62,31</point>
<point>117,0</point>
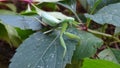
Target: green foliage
<point>6,12</point>
<point>9,34</point>
<point>91,63</point>
<point>89,4</point>
<point>70,4</point>
<point>51,5</point>
<point>11,8</point>
<point>24,33</point>
<point>23,22</point>
<point>108,14</point>
<point>88,44</point>
<point>110,54</point>
<point>43,51</point>
<point>59,41</point>
<point>3,33</point>
<point>117,31</point>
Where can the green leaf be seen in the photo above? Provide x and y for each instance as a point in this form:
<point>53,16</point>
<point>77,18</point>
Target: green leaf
<point>92,63</point>
<point>43,51</point>
<point>88,44</point>
<point>24,33</point>
<point>109,14</point>
<point>28,13</point>
<point>23,22</point>
<point>6,12</point>
<point>50,5</point>
<point>102,4</point>
<point>84,3</point>
<point>70,4</point>
<point>11,6</point>
<point>13,36</point>
<point>89,4</point>
<point>117,31</point>
<point>3,33</point>
<point>10,35</point>
<point>110,54</point>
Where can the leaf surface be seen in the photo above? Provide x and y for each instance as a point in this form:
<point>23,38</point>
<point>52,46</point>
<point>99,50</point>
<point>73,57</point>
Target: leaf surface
<point>70,4</point>
<point>23,22</point>
<point>3,33</point>
<point>24,33</point>
<point>88,44</point>
<point>110,54</point>
<point>117,31</point>
<point>42,51</point>
<point>109,14</point>
<point>89,4</point>
<point>9,34</point>
<point>6,12</point>
<point>92,63</point>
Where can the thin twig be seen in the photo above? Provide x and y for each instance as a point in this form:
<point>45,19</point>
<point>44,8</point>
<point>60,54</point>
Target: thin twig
<point>104,34</point>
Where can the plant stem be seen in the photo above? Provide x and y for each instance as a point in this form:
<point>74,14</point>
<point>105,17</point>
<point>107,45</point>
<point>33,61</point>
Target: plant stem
<point>88,22</point>
<point>79,20</point>
<point>104,34</point>
<point>93,9</point>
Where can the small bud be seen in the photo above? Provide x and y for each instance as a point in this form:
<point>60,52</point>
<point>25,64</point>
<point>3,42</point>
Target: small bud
<point>82,27</point>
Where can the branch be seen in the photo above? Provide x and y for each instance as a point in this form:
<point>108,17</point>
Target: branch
<point>104,34</point>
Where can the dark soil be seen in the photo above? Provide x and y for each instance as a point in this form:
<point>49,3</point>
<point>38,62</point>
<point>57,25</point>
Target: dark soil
<point>6,53</point>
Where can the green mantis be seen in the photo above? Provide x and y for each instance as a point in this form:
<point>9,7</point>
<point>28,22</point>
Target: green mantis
<point>64,27</point>
<point>53,20</point>
<point>70,35</point>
